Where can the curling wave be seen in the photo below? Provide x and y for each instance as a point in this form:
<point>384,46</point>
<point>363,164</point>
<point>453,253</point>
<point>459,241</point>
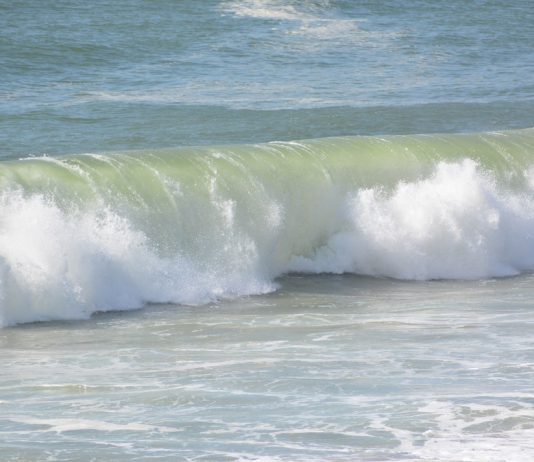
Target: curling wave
<point>94,232</point>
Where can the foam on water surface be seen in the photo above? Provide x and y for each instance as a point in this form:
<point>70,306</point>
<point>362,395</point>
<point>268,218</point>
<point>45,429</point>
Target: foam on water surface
<point>116,231</point>
<point>253,360</point>
<point>329,368</point>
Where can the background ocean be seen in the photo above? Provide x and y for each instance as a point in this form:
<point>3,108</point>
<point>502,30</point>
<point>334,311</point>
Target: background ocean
<point>266,230</point>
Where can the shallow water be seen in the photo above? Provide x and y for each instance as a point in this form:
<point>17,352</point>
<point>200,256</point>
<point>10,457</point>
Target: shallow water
<point>327,368</point>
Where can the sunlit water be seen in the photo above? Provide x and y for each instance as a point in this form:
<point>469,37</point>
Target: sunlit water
<point>83,76</point>
<point>250,362</point>
<point>328,368</point>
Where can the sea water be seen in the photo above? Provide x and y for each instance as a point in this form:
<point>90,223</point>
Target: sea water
<point>190,270</point>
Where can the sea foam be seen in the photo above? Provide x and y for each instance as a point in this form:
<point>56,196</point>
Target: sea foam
<point>456,224</point>
<point>116,231</point>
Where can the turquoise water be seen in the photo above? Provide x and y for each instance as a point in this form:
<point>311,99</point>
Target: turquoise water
<point>190,270</point>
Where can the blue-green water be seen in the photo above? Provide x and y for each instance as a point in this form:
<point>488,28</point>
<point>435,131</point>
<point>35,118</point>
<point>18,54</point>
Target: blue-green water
<point>85,76</point>
<point>211,289</point>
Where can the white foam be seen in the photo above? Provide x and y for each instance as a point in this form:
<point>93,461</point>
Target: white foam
<point>466,431</point>
<point>474,432</point>
<point>62,262</point>
<point>265,9</point>
<point>68,425</point>
<point>56,264</point>
<point>456,224</point>
<point>320,20</point>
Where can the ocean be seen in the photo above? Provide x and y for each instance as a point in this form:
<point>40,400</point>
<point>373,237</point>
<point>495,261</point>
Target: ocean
<point>266,230</point>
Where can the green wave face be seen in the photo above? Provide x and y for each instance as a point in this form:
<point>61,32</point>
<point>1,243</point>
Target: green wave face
<point>116,230</point>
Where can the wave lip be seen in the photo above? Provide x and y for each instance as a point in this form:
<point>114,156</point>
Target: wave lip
<point>112,231</point>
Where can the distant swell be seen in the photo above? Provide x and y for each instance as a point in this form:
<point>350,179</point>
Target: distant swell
<point>114,231</point>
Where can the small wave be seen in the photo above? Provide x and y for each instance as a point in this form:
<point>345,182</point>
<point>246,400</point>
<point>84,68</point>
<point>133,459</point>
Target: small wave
<point>266,9</point>
<point>319,20</point>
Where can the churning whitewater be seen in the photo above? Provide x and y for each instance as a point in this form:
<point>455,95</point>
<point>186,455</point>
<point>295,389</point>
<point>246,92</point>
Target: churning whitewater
<point>113,231</point>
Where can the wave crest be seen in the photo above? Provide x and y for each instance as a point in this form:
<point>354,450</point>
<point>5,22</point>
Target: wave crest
<point>115,231</point>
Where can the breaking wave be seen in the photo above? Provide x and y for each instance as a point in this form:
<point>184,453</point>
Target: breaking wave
<point>94,232</point>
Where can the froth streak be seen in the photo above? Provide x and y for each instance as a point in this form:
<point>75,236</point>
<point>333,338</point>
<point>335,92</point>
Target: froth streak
<point>113,231</point>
